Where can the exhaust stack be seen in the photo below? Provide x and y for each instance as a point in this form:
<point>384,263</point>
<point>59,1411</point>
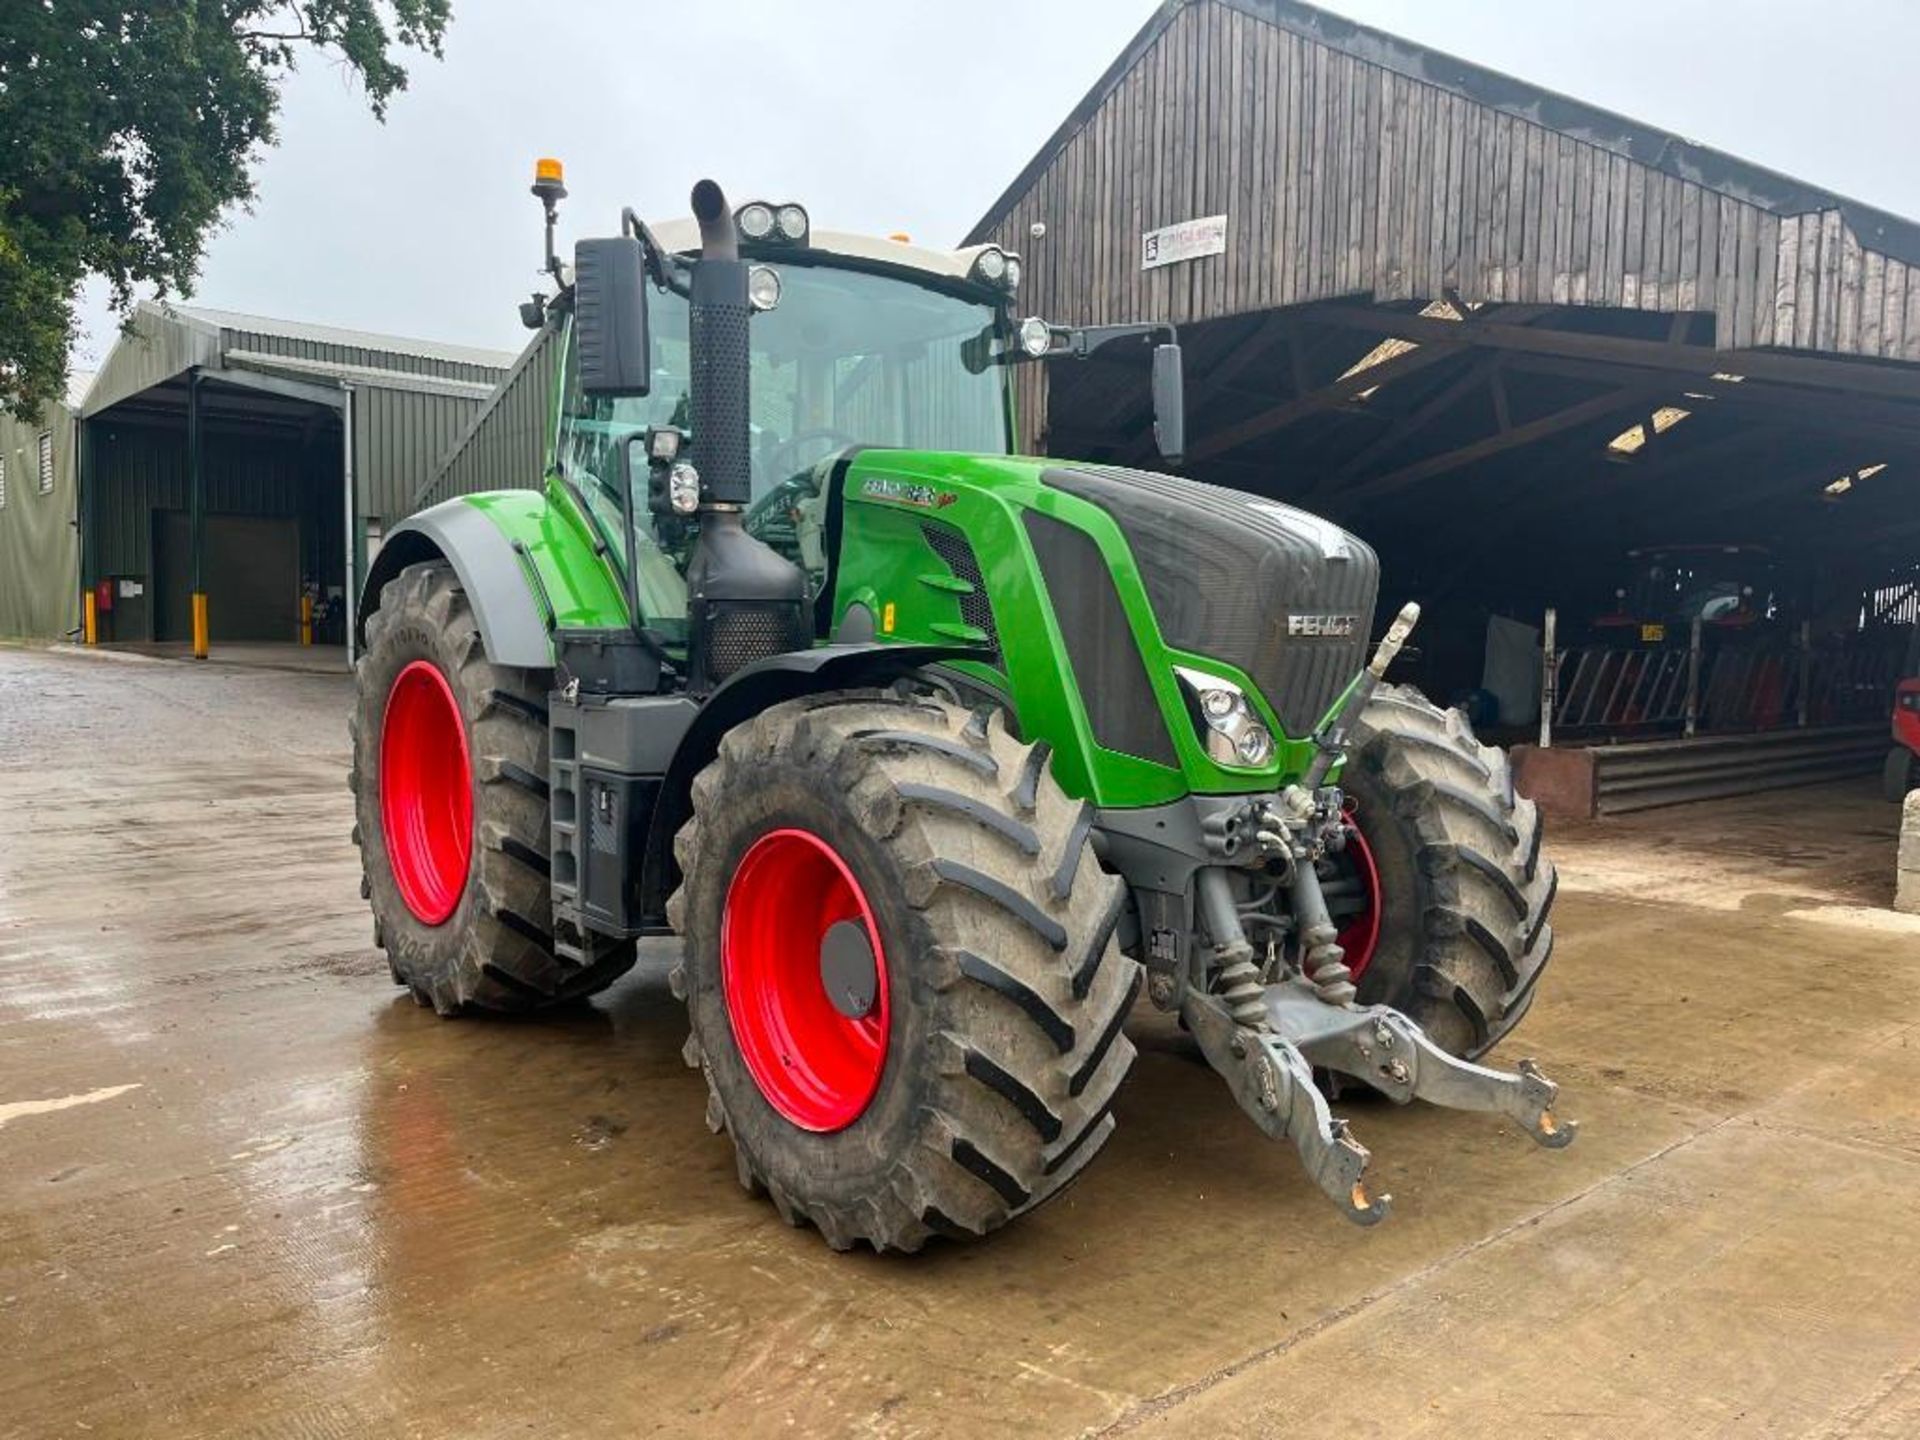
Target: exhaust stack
<point>746,602</point>
<point>717,323</point>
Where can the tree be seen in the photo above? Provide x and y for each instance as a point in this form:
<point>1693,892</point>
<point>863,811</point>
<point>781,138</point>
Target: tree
<point>127,128</point>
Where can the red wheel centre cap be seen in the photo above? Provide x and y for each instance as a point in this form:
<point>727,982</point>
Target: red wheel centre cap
<point>804,979</point>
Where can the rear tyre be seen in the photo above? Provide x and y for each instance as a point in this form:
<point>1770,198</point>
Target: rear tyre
<point>1897,776</point>
<point>1457,935</point>
<point>449,782</point>
<point>899,968</point>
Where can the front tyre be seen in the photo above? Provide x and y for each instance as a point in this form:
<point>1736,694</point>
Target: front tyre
<point>900,968</point>
<point>1443,899</point>
<point>450,799</point>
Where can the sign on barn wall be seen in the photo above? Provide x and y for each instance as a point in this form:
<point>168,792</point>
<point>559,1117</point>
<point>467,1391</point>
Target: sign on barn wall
<point>1188,240</point>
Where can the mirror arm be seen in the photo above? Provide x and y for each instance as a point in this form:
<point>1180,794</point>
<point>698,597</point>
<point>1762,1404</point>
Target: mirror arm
<point>669,271</point>
<point>1083,341</point>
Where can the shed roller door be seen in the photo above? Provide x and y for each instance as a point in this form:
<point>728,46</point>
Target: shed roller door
<point>251,568</point>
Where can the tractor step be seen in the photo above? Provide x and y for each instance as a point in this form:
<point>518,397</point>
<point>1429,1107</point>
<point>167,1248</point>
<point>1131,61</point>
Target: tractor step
<point>1270,1071</point>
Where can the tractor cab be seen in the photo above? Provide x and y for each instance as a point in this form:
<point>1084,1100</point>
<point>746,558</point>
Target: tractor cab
<point>855,343</point>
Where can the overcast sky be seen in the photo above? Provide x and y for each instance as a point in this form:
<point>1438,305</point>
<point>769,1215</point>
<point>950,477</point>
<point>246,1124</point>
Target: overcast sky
<point>885,115</point>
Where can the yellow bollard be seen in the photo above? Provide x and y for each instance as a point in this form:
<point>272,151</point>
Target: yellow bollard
<point>306,619</point>
<point>199,626</point>
<point>91,614</point>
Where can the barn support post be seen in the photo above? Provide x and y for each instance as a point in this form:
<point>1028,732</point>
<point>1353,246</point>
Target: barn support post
<point>83,529</point>
<point>1549,679</point>
<point>355,540</point>
<point>196,517</point>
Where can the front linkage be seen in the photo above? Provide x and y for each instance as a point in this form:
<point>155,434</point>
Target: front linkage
<point>1267,1025</point>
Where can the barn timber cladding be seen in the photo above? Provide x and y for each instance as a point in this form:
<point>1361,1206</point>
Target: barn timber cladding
<point>1349,162</point>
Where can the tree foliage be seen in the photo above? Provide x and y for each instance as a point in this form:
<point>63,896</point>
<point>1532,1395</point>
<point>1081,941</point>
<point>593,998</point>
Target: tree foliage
<point>126,129</point>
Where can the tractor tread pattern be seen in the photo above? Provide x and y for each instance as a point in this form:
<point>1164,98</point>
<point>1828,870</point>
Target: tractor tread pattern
<point>1486,888</point>
<point>497,951</point>
<point>1028,1006</point>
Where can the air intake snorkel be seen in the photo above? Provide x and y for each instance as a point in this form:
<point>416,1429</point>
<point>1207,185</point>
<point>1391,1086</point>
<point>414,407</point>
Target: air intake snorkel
<point>745,602</point>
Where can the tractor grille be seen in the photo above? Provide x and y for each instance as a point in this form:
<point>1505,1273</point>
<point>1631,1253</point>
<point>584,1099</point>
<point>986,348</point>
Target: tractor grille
<point>738,635</point>
<point>957,555</point>
<point>1246,580</point>
<point>1106,660</point>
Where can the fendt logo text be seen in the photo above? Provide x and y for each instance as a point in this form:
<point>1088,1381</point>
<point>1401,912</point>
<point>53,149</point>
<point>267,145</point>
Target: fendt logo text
<point>1322,627</point>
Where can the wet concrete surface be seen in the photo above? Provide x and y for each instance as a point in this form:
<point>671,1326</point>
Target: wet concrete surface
<point>247,1188</point>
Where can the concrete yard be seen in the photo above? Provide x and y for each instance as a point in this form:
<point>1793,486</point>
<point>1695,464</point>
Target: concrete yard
<point>248,1188</point>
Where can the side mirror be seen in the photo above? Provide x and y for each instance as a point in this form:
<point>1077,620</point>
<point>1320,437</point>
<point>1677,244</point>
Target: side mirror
<point>1169,403</point>
<point>610,317</point>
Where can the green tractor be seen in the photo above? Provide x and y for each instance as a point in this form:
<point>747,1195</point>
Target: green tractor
<point>933,756</point>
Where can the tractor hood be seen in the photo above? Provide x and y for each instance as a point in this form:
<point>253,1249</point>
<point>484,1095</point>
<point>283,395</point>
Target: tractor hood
<point>1284,595</point>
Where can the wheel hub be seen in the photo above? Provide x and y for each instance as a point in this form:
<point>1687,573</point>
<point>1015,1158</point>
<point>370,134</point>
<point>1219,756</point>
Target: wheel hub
<point>426,792</point>
<point>804,979</point>
<point>847,970</point>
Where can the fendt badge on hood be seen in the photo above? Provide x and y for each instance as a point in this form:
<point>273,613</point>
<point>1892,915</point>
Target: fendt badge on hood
<point>1323,627</point>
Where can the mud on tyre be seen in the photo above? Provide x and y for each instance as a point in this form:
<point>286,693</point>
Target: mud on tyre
<point>1462,892</point>
<point>983,1045</point>
<point>450,798</point>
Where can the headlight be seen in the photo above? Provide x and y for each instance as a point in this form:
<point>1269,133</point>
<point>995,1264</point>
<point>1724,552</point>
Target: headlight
<point>755,221</point>
<point>1036,336</point>
<point>793,223</point>
<point>763,287</point>
<point>1228,726</point>
<point>1255,745</point>
<point>1013,272</point>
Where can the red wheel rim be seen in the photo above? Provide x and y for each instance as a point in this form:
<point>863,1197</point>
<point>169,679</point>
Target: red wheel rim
<point>426,792</point>
<point>1360,933</point>
<point>815,1064</point>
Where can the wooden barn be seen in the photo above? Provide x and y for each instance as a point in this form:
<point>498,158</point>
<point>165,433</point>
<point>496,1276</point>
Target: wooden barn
<point>1540,354</point>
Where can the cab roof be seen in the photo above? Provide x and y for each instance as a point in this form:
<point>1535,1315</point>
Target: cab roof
<point>682,236</point>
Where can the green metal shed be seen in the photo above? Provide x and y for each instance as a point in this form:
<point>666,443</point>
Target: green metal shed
<point>251,462</point>
<point>39,550</point>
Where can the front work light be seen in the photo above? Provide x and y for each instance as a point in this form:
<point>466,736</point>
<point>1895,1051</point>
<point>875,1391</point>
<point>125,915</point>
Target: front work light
<point>755,221</point>
<point>997,268</point>
<point>765,223</point>
<point>683,488</point>
<point>763,287</point>
<point>1036,336</point>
